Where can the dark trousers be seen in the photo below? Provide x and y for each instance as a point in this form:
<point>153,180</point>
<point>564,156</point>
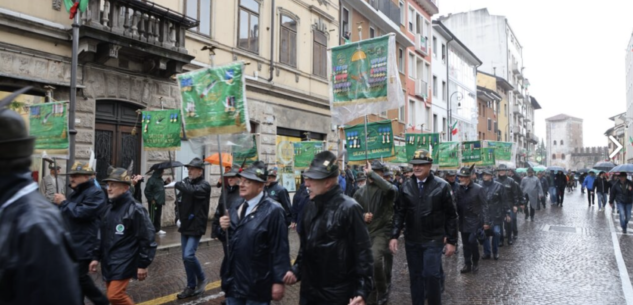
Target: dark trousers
<point>471,249</point>
<point>156,216</point>
<point>88,288</point>
<point>529,211</point>
<point>425,271</point>
<point>543,200</point>
<point>560,195</point>
<point>511,227</point>
<point>591,196</point>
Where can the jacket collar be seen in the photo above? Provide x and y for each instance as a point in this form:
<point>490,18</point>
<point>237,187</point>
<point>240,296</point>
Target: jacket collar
<point>11,182</point>
<point>327,196</point>
<point>81,187</point>
<point>124,198</point>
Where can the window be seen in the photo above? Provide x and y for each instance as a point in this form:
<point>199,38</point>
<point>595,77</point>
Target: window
<point>562,156</point>
<point>444,92</point>
<point>319,56</point>
<point>554,142</point>
<point>372,32</point>
<point>249,26</point>
<point>400,60</point>
<point>435,123</point>
<point>434,86</point>
<point>411,19</point>
<point>489,125</point>
<point>496,127</point>
<point>412,66</point>
<point>553,156</point>
<point>402,12</point>
<point>200,10</point>
<point>345,23</point>
<point>419,24</point>
<point>288,43</point>
<point>401,114</point>
<point>434,47</point>
<point>443,52</point>
<point>561,142</point>
<point>412,113</point>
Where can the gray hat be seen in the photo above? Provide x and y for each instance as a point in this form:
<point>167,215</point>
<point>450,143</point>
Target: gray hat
<point>378,166</point>
<point>361,177</point>
<point>235,170</point>
<point>322,166</point>
<point>466,171</point>
<point>256,172</point>
<point>196,163</point>
<point>119,175</point>
<point>450,172</point>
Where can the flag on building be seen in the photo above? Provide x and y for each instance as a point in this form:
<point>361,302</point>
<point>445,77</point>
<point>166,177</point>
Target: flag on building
<point>72,6</point>
<point>454,128</point>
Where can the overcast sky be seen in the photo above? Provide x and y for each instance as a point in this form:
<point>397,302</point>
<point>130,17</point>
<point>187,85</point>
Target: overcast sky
<point>573,53</point>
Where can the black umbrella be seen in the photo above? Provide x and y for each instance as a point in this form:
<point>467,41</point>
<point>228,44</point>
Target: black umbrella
<point>627,168</point>
<point>164,165</point>
<point>555,168</point>
<point>583,170</point>
<point>605,165</point>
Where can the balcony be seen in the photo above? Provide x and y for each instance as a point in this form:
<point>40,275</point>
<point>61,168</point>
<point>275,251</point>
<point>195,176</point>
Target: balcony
<point>381,18</point>
<point>429,5</point>
<point>422,44</point>
<point>143,33</point>
<point>532,138</point>
<point>516,129</point>
<point>421,89</point>
<point>518,111</point>
<point>387,7</point>
<point>515,68</point>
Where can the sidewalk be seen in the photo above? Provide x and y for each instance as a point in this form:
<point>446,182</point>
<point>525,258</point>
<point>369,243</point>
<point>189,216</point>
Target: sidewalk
<point>171,240</point>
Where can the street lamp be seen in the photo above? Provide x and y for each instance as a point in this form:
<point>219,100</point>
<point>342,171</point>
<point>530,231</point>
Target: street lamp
<point>449,114</point>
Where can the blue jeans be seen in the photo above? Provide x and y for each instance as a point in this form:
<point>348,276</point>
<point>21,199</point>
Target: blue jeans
<point>496,235</point>
<point>192,265</point>
<point>425,271</point>
<point>602,200</point>
<point>552,195</point>
<point>234,301</point>
<point>625,214</point>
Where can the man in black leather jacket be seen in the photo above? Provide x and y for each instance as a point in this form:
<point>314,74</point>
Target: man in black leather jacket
<point>622,195</point>
<point>513,194</point>
<point>472,208</point>
<point>278,193</point>
<point>82,211</point>
<point>37,264</point>
<point>126,244</point>
<point>334,263</point>
<point>192,213</point>
<point>427,213</point>
<point>259,256</point>
<point>497,207</point>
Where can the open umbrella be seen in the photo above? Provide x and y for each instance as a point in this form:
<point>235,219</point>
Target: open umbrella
<point>227,159</point>
<point>605,165</point>
<point>555,168</point>
<point>627,168</point>
<point>164,165</point>
<point>521,170</point>
<point>583,170</point>
<point>539,168</point>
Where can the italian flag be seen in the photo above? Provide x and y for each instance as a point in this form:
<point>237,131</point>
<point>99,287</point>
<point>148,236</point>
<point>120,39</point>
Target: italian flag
<point>72,6</point>
<point>454,128</point>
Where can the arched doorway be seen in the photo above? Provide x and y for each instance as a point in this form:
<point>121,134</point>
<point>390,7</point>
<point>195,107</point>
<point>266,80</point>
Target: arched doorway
<point>115,143</point>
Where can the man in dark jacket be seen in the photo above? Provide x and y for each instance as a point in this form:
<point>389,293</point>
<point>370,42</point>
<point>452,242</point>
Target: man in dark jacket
<point>232,193</point>
<point>427,213</point>
<point>622,195</point>
<point>126,247</point>
<point>601,187</point>
<point>37,264</point>
<point>192,212</point>
<point>512,174</point>
<point>497,207</point>
<point>82,211</point>
<point>155,194</point>
<point>278,193</point>
<point>377,199</point>
<point>545,186</point>
<point>334,263</point>
<point>259,256</point>
<point>560,180</point>
<point>513,194</point>
<point>299,201</point>
<point>350,181</point>
<point>472,208</point>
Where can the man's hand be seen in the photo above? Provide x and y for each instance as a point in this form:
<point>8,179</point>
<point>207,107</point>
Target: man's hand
<point>135,179</point>
<point>278,292</point>
<point>367,167</point>
<point>59,198</point>
<point>357,301</point>
<point>293,225</point>
<point>486,227</point>
<point>369,217</point>
<point>93,266</point>
<point>225,222</point>
<point>393,246</point>
<point>449,250</point>
<point>290,278</point>
<point>141,274</point>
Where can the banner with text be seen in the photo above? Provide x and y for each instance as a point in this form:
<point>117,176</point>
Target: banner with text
<point>488,156</point>
<point>379,141</point>
<point>471,152</point>
<point>305,151</point>
<point>449,154</point>
<point>503,150</point>
<point>161,129</point>
<point>364,78</point>
<point>428,141</point>
<point>48,123</point>
<point>247,155</point>
<point>214,100</point>
<point>401,155</point>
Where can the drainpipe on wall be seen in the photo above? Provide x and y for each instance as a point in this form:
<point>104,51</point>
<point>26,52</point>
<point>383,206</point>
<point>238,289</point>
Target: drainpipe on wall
<point>449,115</point>
<point>272,41</point>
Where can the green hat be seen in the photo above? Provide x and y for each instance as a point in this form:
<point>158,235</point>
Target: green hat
<point>80,168</point>
<point>322,166</point>
<point>256,172</point>
<point>466,171</point>
<point>487,171</point>
<point>450,172</point>
<point>361,177</point>
<point>378,166</point>
<point>421,156</point>
<point>502,167</point>
<point>119,175</point>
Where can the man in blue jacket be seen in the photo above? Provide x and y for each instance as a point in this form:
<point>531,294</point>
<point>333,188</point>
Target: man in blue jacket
<point>588,184</point>
<point>82,211</point>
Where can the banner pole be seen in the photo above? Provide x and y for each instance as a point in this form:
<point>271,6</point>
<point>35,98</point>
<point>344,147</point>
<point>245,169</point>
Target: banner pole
<point>366,144</point>
<point>56,174</point>
<point>224,188</point>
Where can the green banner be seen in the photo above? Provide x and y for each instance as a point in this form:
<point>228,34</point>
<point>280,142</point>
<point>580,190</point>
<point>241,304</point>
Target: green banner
<point>214,100</point>
<point>48,123</point>
<point>359,71</point>
<point>488,156</point>
<point>401,155</point>
<point>161,129</point>
<point>503,150</point>
<point>428,141</point>
<point>471,152</point>
<point>449,154</point>
<point>246,155</point>
<point>379,137</point>
<point>305,151</point>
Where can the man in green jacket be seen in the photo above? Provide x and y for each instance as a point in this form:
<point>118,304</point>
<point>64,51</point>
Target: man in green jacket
<point>377,198</point>
<point>155,194</point>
